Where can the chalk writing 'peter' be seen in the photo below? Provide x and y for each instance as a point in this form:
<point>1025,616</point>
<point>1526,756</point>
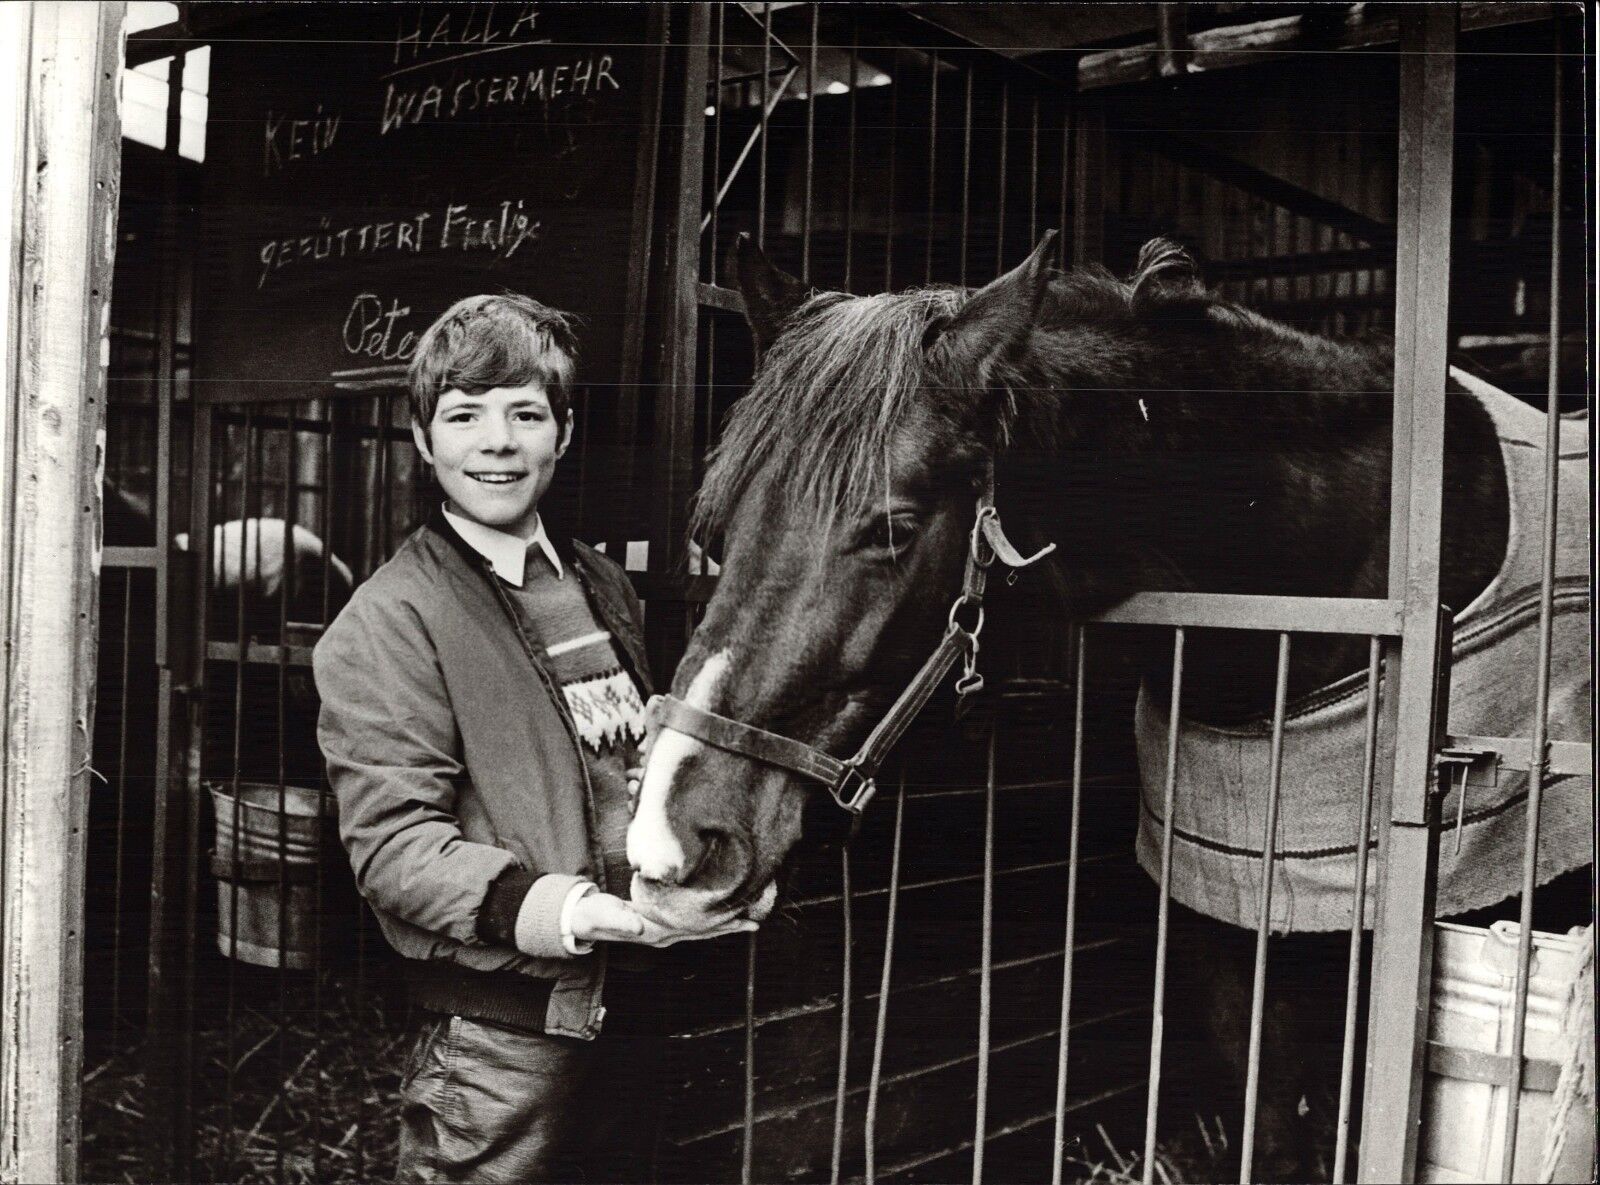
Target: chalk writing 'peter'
<point>404,105</point>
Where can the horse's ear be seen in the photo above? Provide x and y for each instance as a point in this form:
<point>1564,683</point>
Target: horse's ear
<point>998,318</point>
<point>1164,269</point>
<point>770,293</point>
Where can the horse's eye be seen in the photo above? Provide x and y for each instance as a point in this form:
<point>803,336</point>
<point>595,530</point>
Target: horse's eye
<point>893,534</point>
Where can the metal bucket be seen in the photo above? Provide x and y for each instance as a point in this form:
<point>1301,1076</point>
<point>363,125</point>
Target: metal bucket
<point>1465,1089</point>
<point>266,864</point>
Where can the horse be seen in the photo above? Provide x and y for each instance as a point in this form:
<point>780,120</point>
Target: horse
<point>1159,436</point>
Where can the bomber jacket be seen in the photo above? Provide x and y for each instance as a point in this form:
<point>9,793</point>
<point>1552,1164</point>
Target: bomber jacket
<point>455,762</point>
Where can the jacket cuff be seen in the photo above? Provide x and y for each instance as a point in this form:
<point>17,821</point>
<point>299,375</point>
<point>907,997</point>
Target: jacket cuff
<point>497,917</point>
<point>574,944</point>
<point>538,926</point>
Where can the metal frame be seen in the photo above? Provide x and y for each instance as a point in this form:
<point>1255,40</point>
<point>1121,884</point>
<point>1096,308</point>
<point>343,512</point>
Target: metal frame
<point>1407,635</point>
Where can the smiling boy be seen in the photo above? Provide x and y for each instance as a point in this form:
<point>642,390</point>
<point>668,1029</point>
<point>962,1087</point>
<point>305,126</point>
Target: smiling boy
<point>482,700</point>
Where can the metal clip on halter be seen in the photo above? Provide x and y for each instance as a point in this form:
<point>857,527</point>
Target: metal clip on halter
<point>853,790</point>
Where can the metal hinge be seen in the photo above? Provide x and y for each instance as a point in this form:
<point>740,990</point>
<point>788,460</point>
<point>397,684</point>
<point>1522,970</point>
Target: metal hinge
<point>1463,759</point>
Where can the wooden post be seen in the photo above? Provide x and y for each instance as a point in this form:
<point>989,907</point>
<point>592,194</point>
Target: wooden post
<point>668,623</point>
<point>60,141</point>
<point>1408,851</point>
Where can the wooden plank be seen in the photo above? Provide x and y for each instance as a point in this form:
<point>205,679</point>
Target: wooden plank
<point>1263,41</point>
<point>62,130</point>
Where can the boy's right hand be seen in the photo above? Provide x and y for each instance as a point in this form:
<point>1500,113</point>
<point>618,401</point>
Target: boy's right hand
<point>604,917</point>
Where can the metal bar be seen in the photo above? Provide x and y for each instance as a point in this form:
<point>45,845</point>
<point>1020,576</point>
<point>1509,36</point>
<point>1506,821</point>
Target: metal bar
<point>1269,854</point>
<point>1088,175</point>
<point>161,1079</point>
<point>286,589</point>
<point>201,493</point>
<point>1159,997</point>
<point>1541,711</point>
<point>130,557</point>
<point>1309,615</point>
<point>875,1079</point>
<point>1057,1163</point>
<point>1000,203</point>
<point>811,148</point>
<point>1403,927</point>
<point>986,967</point>
<point>121,791</point>
<point>846,991</point>
<point>766,86</point>
<point>894,140</point>
<point>324,791</point>
<point>1561,758</point>
<point>713,215</point>
<point>933,159</point>
<point>850,156</point>
<point>1033,174</point>
<point>966,176</point>
<point>749,145</point>
<point>267,654</point>
<point>1067,173</point>
<point>1352,990</point>
<point>747,1143</point>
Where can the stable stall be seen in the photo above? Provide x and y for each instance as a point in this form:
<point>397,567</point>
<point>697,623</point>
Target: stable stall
<point>974,985</point>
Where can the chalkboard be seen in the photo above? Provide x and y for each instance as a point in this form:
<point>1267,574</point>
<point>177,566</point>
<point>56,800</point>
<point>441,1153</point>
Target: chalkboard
<point>367,165</point>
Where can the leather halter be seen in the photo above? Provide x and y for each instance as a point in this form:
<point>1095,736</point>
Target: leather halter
<point>849,781</point>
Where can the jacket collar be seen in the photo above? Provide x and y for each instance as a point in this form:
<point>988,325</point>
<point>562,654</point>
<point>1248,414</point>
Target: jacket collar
<point>507,553</point>
<point>558,540</point>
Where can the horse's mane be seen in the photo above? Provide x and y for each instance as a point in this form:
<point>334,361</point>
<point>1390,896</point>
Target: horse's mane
<point>835,386</point>
<point>830,395</point>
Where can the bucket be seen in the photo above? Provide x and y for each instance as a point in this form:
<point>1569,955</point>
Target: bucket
<point>1465,1087</point>
<point>267,882</point>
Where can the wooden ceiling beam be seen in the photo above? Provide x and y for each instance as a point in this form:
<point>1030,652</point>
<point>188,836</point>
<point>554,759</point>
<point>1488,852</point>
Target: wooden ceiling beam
<point>1362,26</point>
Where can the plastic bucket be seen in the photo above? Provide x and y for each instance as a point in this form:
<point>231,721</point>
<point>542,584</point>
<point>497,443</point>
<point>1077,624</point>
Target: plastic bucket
<point>266,863</point>
<point>1466,1085</point>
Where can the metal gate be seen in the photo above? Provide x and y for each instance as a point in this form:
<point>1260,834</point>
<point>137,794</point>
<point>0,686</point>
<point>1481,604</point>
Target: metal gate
<point>820,121</point>
<point>1030,154</point>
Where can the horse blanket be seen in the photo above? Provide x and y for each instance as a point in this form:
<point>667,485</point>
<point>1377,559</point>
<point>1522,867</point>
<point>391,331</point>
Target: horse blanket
<point>1222,783</point>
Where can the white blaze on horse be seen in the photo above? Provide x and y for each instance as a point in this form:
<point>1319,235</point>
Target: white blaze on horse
<point>1162,438</point>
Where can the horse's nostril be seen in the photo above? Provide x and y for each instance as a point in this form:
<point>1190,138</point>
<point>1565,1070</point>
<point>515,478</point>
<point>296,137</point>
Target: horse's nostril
<point>708,840</point>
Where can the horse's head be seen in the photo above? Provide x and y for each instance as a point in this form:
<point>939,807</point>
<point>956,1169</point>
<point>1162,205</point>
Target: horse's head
<point>842,496</point>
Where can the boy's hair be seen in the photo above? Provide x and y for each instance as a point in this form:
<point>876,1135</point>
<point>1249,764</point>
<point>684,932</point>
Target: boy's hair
<point>488,341</point>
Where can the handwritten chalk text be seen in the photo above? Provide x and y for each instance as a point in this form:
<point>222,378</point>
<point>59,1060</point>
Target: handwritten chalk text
<point>409,105</point>
<point>500,230</point>
<point>369,329</point>
<point>450,29</point>
<point>286,139</point>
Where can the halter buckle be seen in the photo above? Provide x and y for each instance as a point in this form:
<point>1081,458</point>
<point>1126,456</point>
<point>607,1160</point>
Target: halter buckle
<point>853,790</point>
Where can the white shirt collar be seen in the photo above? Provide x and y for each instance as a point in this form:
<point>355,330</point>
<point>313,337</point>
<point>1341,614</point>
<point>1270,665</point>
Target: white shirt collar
<point>506,553</point>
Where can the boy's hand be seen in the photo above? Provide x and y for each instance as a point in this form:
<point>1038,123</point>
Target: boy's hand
<point>635,775</point>
<point>603,917</point>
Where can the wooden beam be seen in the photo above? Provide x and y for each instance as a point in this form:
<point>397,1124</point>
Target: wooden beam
<point>1363,26</point>
<point>60,134</point>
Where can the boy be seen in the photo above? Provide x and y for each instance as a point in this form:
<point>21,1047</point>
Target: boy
<point>482,699</point>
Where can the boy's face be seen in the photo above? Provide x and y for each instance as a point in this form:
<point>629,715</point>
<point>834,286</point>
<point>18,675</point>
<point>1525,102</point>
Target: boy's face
<point>495,453</point>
